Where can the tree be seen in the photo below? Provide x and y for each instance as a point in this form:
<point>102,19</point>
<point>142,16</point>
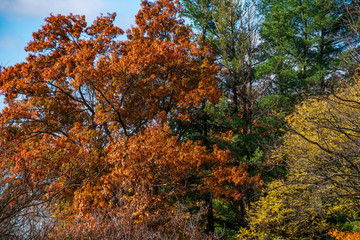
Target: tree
<point>345,235</point>
<point>302,43</point>
<point>149,175</point>
<point>230,28</point>
<point>290,210</point>
<point>81,89</point>
<point>322,146</point>
<point>349,59</point>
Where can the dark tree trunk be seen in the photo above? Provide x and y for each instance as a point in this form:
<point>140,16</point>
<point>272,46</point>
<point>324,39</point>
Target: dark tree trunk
<point>209,215</point>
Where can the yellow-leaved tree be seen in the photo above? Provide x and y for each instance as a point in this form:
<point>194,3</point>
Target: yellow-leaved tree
<point>321,151</point>
<point>323,144</point>
<point>290,210</point>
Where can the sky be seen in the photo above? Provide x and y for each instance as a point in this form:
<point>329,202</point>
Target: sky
<point>20,18</point>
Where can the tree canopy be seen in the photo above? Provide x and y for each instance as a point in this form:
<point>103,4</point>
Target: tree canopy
<point>240,122</point>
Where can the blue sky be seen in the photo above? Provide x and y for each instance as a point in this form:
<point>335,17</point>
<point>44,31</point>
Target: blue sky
<point>20,18</point>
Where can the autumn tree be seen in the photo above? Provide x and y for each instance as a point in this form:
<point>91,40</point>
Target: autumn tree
<point>320,151</point>
<point>291,210</point>
<point>149,175</point>
<point>81,89</point>
<point>345,235</point>
<point>323,141</point>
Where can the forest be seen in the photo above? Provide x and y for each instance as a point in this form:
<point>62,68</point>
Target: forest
<point>207,119</point>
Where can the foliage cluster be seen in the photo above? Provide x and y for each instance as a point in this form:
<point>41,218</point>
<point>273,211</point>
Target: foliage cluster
<point>243,125</point>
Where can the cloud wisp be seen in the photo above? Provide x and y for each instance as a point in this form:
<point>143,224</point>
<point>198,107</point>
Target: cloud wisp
<point>42,8</point>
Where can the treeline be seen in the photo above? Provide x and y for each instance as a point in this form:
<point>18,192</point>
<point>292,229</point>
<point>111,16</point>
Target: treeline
<point>241,123</point>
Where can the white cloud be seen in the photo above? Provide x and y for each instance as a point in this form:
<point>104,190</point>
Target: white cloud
<point>42,8</point>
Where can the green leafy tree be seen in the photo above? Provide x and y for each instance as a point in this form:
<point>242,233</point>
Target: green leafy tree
<point>238,122</point>
<point>301,44</point>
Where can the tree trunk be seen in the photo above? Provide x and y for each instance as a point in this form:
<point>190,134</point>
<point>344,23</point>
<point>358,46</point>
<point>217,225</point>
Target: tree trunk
<point>209,215</point>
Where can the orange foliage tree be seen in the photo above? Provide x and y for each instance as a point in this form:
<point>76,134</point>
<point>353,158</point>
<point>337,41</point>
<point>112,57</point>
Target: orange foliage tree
<point>345,235</point>
<point>148,176</point>
<point>75,130</point>
<point>82,88</point>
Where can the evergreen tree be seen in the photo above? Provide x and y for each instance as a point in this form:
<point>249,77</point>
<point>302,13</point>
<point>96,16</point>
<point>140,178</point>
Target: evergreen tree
<point>230,28</point>
<point>301,42</point>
